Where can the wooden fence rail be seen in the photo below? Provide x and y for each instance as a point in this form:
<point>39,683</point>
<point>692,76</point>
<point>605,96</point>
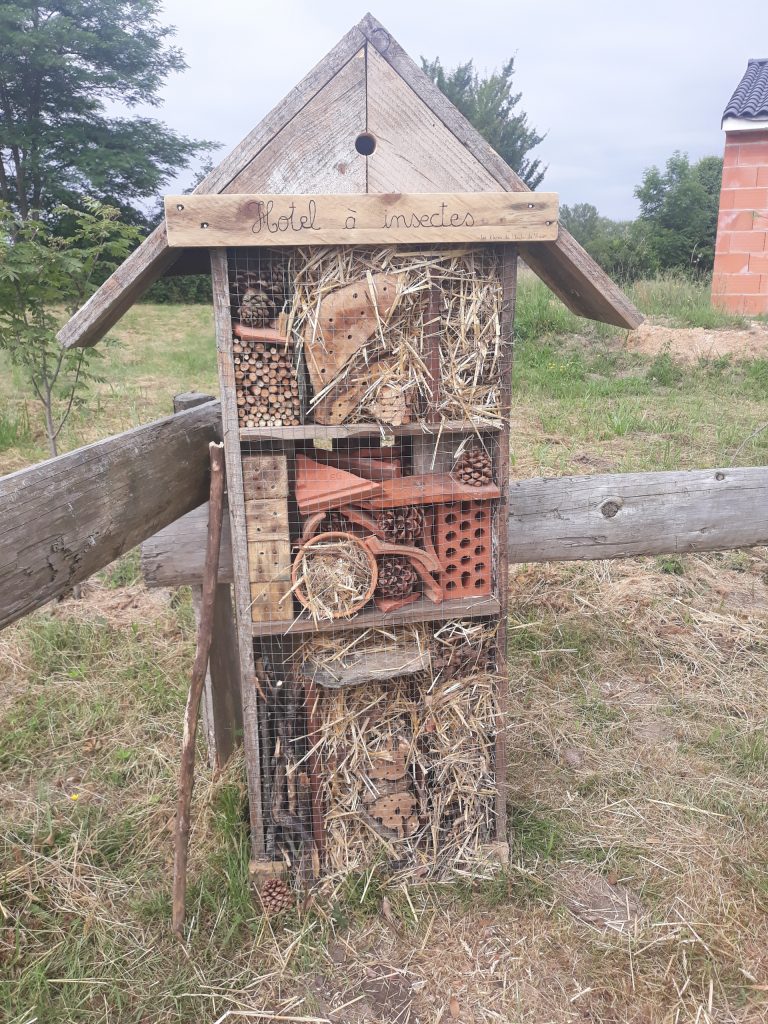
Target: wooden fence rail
<point>614,515</point>
<point>66,518</point>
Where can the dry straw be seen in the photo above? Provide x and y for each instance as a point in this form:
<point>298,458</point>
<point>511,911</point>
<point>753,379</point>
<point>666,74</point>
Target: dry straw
<point>442,726</point>
<point>469,337</point>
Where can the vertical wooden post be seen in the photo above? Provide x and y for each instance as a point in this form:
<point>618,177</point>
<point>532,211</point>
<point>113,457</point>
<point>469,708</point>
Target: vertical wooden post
<point>231,435</point>
<point>509,295</point>
<point>222,714</point>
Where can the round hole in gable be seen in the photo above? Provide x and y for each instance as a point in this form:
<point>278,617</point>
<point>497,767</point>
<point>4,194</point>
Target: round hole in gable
<point>479,516</point>
<point>450,518</point>
<point>465,543</point>
<point>464,524</point>
<point>450,552</point>
<point>451,535</point>
<point>480,549</point>
<point>479,533</point>
<point>450,585</point>
<point>479,583</point>
<point>465,578</point>
<point>365,143</point>
<point>466,560</point>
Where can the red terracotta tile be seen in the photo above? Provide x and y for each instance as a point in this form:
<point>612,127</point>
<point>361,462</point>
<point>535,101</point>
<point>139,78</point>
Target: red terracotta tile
<point>735,220</point>
<point>758,263</point>
<point>754,305</point>
<point>739,177</point>
<point>746,241</point>
<point>463,542</point>
<point>732,262</point>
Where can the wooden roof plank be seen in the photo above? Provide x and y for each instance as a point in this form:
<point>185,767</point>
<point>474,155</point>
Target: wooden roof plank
<point>153,258</point>
<point>563,265</point>
<point>424,144</point>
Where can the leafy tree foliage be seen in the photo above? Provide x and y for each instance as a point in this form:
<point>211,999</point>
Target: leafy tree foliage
<point>490,105</point>
<point>43,273</point>
<point>679,207</point>
<point>676,229</point>
<point>62,64</point>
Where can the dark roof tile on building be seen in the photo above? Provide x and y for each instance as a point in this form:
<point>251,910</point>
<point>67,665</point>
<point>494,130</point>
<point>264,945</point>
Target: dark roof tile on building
<point>751,96</point>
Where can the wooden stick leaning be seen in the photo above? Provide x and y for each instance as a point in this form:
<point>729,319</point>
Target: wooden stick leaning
<point>200,664</point>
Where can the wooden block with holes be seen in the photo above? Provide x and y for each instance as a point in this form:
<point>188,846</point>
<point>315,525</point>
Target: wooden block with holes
<point>271,601</point>
<point>269,560</point>
<point>265,488</point>
<point>265,477</point>
<point>267,519</point>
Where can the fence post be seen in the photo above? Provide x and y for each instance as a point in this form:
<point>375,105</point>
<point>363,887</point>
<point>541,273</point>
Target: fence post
<point>222,712</point>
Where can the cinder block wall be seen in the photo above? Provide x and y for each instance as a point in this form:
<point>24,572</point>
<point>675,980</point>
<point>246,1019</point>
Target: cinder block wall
<point>740,279</point>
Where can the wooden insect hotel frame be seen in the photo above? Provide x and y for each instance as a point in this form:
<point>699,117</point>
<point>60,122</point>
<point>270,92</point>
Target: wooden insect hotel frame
<point>363,243</point>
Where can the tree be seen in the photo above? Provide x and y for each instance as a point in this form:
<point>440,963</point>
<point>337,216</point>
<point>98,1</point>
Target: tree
<point>62,63</point>
<point>489,104</point>
<point>679,208</point>
<point>41,274</point>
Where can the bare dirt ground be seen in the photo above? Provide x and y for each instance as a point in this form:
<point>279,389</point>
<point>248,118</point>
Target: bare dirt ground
<point>691,344</point>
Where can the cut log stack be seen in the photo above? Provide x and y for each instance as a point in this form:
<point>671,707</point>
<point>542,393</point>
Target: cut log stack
<point>266,384</point>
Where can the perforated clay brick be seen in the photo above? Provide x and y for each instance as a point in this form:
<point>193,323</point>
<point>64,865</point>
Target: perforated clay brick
<point>463,544</point>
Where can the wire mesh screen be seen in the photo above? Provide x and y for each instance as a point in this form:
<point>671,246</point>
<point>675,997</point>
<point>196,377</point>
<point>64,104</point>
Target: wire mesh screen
<point>370,392</point>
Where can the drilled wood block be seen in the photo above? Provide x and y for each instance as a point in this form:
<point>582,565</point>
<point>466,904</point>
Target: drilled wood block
<point>269,560</point>
<point>271,602</point>
<point>266,519</point>
<point>265,477</point>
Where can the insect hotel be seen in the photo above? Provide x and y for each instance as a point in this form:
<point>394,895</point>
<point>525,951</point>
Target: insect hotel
<point>363,243</point>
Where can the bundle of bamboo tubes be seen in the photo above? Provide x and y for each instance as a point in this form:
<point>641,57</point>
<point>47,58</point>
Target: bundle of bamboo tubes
<point>266,384</point>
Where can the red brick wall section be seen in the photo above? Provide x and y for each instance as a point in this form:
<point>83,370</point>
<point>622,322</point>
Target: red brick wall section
<point>740,279</point>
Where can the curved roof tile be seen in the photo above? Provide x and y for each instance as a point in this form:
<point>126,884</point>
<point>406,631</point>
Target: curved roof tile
<point>751,96</point>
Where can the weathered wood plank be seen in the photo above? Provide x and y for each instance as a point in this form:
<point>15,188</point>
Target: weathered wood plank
<point>390,218</point>
<point>625,514</point>
<point>415,151</point>
<point>566,518</point>
<point>315,152</point>
<point>64,519</point>
<point>249,693</point>
<point>173,557</point>
<point>153,258</point>
<point>565,267</point>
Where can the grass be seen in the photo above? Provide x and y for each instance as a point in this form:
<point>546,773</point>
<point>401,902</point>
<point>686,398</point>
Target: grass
<point>637,750</point>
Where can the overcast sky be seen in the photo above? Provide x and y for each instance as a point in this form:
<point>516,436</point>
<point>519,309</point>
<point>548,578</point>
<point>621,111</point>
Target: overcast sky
<point>616,86</point>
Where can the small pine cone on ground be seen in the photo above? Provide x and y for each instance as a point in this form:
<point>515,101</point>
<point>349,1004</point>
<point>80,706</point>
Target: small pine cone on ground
<point>473,468</point>
<point>401,525</point>
<point>276,896</point>
<point>397,576</point>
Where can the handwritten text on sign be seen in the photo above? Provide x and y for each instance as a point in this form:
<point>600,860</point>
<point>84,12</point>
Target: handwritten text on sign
<point>221,220</point>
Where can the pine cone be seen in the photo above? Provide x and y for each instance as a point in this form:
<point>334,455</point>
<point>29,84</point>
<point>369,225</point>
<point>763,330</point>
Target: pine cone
<point>397,576</point>
<point>401,525</point>
<point>473,468</point>
<point>456,662</point>
<point>276,896</point>
<point>260,294</point>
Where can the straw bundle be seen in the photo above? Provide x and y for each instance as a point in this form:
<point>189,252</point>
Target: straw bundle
<point>396,360</point>
<point>405,763</point>
<point>333,576</point>
<point>410,749</point>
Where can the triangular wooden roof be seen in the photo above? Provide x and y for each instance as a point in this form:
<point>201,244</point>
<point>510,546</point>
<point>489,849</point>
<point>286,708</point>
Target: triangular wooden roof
<point>307,144</point>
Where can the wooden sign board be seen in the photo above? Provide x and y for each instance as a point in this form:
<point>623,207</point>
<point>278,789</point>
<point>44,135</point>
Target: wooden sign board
<point>367,219</point>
